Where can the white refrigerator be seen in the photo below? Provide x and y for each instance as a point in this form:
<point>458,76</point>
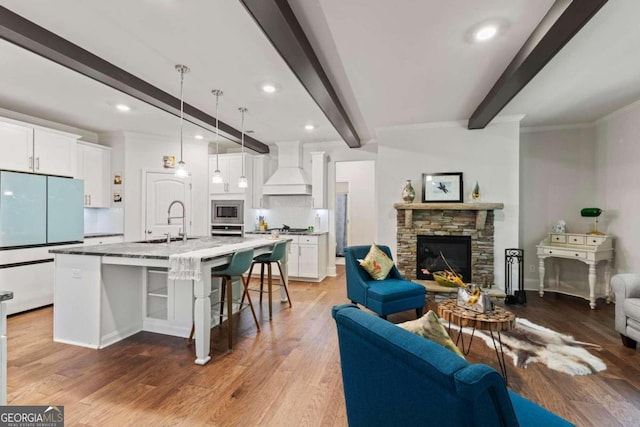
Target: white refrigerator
<point>40,209</point>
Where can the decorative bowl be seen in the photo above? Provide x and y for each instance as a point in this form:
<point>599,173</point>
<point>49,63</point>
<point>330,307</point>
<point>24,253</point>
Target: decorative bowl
<point>445,278</point>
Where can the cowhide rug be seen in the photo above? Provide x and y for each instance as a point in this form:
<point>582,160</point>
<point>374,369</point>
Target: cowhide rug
<point>531,343</point>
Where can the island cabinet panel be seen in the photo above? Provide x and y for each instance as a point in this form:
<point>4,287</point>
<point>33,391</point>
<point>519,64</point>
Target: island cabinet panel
<point>120,302</point>
<point>77,300</point>
<point>84,287</point>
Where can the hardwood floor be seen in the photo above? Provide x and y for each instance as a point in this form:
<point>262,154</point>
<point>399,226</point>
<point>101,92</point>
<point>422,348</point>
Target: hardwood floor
<point>288,374</point>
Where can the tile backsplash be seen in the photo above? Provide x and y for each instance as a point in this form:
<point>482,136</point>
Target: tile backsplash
<point>294,211</point>
<point>103,220</point>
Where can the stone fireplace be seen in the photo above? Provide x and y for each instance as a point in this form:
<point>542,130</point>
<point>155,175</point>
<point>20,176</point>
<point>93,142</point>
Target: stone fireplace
<point>472,220</point>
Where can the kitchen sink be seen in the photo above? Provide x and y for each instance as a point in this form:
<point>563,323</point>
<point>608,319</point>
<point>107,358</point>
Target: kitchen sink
<point>164,240</point>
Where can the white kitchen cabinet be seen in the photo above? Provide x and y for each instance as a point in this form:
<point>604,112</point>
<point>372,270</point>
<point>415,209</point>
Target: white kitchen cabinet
<point>294,257</point>
<point>16,144</point>
<point>307,257</point>
<point>54,152</point>
<point>103,240</point>
<point>28,273</point>
<point>31,148</point>
<point>319,179</point>
<point>230,166</point>
<point>94,167</point>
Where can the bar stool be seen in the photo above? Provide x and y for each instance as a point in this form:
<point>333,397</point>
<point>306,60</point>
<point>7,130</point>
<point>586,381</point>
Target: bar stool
<point>239,263</point>
<point>275,255</point>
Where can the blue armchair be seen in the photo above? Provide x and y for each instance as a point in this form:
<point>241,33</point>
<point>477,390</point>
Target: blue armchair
<point>393,377</point>
<point>391,295</point>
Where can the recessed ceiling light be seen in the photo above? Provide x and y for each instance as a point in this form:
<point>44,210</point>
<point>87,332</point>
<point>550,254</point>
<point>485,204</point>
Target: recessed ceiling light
<point>199,136</point>
<point>309,127</point>
<point>485,32</point>
<point>123,107</point>
<point>268,88</point>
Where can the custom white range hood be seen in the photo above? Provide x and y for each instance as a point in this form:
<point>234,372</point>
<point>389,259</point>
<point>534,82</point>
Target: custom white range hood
<point>289,179</point>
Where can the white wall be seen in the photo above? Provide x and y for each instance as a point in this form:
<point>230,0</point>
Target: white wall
<point>490,156</point>
<point>361,205</point>
<point>132,153</point>
<point>338,151</point>
<point>618,159</point>
<point>557,180</point>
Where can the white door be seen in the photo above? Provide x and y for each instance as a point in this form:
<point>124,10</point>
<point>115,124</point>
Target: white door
<point>161,190</point>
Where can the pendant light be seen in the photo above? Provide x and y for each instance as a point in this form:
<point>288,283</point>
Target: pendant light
<point>181,168</point>
<point>216,178</point>
<point>242,181</point>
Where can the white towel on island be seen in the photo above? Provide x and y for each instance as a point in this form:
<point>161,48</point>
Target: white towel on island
<point>185,267</point>
<point>188,265</point>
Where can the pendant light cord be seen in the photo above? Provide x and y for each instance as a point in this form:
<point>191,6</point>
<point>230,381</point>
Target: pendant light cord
<point>181,108</point>
<point>243,110</point>
<point>217,130</point>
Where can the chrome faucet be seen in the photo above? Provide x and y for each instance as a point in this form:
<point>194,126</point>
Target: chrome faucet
<point>184,224</point>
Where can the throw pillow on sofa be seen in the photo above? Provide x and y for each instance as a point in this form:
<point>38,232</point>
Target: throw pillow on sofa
<point>429,327</point>
<point>377,263</point>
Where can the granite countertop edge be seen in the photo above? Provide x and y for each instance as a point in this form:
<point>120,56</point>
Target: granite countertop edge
<point>162,251</point>
<point>293,233</point>
<point>92,235</point>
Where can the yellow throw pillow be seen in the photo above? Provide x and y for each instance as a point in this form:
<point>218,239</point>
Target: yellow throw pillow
<point>377,263</point>
<point>429,327</point>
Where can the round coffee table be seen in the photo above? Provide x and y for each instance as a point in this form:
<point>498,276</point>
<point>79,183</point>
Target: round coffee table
<point>495,321</point>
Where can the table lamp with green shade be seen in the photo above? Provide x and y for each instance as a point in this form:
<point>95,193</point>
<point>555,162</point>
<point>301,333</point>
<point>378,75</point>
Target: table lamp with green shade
<point>592,213</point>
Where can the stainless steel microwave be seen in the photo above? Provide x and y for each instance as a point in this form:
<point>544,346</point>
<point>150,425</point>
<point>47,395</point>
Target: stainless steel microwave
<point>227,211</point>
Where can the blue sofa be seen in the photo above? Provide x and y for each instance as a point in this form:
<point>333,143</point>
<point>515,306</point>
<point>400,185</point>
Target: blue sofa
<point>391,295</point>
<point>395,378</point>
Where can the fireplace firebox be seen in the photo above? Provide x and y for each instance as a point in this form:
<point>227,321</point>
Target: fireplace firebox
<point>455,249</point>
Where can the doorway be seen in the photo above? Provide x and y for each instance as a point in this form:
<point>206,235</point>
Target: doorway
<point>355,210</point>
<point>342,217</point>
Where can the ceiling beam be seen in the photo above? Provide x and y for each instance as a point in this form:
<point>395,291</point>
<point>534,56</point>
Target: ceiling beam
<point>26,34</point>
<point>279,24</point>
<point>555,30</point>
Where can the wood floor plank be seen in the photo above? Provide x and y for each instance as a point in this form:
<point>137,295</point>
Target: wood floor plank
<point>288,374</point>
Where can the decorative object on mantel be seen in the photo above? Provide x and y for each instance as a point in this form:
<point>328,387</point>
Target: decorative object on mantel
<point>560,226</point>
<point>442,187</point>
<point>593,213</point>
<point>475,194</point>
<point>408,193</point>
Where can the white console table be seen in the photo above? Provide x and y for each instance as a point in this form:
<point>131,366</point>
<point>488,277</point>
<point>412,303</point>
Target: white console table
<point>587,248</point>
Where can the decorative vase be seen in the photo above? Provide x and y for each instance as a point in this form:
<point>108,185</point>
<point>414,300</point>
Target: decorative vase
<point>475,194</point>
<point>408,193</point>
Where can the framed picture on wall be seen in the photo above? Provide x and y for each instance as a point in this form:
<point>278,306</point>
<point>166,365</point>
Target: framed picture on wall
<point>442,187</point>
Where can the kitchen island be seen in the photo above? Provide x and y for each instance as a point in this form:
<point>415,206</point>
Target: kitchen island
<point>106,293</point>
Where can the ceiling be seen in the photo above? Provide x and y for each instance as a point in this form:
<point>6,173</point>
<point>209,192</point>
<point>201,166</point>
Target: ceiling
<point>392,63</point>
